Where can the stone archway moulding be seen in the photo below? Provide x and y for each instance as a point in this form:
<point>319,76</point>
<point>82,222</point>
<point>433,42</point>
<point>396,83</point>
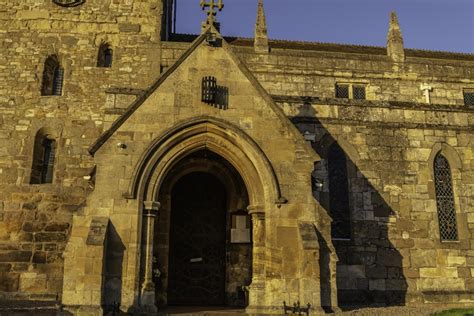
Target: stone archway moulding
<point>233,145</point>
<point>218,136</point>
<point>449,152</point>
<point>229,178</point>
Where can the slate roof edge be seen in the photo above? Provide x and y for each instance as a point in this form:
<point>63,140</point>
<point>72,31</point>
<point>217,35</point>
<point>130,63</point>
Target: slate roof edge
<point>333,47</point>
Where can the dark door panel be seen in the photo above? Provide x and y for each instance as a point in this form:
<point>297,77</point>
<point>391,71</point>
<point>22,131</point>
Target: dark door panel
<point>197,241</point>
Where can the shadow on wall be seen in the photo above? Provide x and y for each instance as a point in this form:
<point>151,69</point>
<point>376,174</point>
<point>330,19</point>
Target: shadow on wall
<point>370,270</point>
<point>112,279</point>
<point>325,274</point>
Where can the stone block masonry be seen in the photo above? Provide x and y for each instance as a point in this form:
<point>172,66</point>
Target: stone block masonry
<point>395,234</point>
<point>393,253</point>
<point>35,220</point>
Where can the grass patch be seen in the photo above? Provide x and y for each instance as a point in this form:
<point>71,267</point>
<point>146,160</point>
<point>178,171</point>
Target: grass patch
<point>456,312</point>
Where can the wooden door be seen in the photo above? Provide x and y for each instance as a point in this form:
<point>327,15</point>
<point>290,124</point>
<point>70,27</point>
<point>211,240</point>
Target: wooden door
<point>197,241</point>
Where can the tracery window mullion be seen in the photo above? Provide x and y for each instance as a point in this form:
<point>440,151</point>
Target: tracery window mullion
<point>445,199</point>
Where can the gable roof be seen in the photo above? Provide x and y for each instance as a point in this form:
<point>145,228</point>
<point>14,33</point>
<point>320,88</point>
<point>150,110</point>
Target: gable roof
<point>247,73</point>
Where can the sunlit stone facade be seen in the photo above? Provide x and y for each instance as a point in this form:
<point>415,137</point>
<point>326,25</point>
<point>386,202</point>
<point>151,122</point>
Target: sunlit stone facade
<point>315,168</point>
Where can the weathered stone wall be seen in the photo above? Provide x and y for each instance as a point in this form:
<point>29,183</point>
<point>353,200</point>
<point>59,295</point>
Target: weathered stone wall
<point>390,182</point>
<point>395,254</point>
<point>293,71</point>
<point>152,127</point>
<point>304,73</point>
<point>35,219</point>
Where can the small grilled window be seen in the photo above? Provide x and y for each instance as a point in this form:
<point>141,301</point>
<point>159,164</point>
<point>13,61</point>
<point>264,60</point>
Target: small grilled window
<point>43,159</point>
<point>213,94</point>
<point>469,98</point>
<point>445,199</point>
<point>209,89</point>
<point>358,92</point>
<point>49,146</point>
<point>58,81</point>
<point>104,59</point>
<point>342,91</point>
<point>53,77</point>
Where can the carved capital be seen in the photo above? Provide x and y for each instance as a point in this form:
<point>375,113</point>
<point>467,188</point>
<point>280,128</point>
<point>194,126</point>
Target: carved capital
<point>151,205</point>
<point>258,216</point>
<point>150,208</point>
<point>257,212</point>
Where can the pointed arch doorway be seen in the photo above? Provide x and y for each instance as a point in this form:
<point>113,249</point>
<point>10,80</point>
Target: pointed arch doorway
<point>252,188</point>
<point>199,263</point>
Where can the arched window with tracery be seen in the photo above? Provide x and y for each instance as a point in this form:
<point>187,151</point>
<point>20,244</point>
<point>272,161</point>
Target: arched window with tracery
<point>53,76</point>
<point>339,193</point>
<point>445,199</point>
<point>43,159</point>
<point>104,58</point>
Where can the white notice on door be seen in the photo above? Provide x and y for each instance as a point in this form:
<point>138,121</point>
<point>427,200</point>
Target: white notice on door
<point>240,235</point>
<point>241,222</point>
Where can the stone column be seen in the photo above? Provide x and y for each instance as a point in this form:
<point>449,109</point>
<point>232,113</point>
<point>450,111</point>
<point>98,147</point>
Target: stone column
<point>257,288</point>
<point>147,297</point>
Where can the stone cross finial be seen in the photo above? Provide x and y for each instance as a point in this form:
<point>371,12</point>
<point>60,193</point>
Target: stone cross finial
<point>211,14</point>
<point>426,92</point>
<point>395,48</point>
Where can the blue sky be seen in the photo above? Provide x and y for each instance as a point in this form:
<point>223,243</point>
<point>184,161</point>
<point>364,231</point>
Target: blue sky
<point>446,25</point>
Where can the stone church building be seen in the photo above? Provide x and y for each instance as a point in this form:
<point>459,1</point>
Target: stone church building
<point>141,168</point>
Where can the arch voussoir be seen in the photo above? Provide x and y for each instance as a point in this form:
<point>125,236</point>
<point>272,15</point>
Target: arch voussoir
<point>217,136</point>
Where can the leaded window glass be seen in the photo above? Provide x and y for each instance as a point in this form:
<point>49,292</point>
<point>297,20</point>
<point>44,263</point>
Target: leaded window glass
<point>358,92</point>
<point>58,81</point>
<point>342,91</point>
<point>53,75</point>
<point>42,169</point>
<point>469,98</point>
<point>48,161</point>
<point>338,193</point>
<point>445,199</point>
